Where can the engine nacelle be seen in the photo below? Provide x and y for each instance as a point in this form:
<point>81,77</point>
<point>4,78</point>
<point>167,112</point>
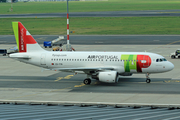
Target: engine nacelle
<point>109,77</point>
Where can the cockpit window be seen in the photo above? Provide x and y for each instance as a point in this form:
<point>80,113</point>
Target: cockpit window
<point>161,60</point>
<point>164,59</point>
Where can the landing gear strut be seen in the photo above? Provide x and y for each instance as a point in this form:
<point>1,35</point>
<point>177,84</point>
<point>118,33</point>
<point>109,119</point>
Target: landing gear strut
<point>148,80</point>
<point>87,81</point>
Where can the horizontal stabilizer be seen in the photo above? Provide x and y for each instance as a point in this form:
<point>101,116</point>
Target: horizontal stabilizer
<point>20,56</point>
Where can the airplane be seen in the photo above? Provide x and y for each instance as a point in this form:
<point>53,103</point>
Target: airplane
<point>102,66</point>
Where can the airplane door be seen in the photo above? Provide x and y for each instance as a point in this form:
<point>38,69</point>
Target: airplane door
<point>145,61</point>
<point>43,59</point>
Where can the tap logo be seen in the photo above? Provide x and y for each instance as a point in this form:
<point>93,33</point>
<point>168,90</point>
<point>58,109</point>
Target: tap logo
<point>135,63</point>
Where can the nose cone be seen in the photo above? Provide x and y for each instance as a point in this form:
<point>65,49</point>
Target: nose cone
<point>170,66</point>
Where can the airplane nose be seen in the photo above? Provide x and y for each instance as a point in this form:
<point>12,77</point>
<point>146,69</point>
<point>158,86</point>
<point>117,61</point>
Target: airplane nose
<point>170,66</point>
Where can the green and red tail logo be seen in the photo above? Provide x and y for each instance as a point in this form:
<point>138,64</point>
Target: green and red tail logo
<point>135,62</point>
<point>22,36</point>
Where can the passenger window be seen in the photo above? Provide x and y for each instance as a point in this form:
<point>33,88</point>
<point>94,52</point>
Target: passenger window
<point>157,60</point>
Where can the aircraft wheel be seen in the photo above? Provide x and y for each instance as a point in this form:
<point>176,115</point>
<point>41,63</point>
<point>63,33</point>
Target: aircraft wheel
<point>87,81</point>
<point>148,80</point>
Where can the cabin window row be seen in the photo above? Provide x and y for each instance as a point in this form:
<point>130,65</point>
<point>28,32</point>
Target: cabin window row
<point>92,60</point>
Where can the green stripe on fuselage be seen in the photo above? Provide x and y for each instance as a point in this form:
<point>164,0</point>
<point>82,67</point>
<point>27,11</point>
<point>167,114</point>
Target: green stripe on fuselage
<point>129,62</point>
<point>16,32</point>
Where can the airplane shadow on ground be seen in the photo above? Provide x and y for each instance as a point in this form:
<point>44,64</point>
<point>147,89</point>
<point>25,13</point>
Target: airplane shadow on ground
<point>126,81</point>
<point>125,85</point>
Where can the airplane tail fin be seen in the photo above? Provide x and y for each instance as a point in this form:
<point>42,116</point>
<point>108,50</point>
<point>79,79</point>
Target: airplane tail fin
<point>25,42</point>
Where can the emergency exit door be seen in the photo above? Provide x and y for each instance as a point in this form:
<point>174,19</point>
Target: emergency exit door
<point>43,59</point>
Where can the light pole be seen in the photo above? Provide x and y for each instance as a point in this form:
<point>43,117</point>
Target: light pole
<point>67,23</point>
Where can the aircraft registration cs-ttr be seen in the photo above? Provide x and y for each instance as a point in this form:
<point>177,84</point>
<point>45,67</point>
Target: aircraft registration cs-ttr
<point>102,66</point>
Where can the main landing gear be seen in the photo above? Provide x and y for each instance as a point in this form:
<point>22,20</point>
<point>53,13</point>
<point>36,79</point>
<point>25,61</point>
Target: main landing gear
<point>148,80</point>
<point>87,81</point>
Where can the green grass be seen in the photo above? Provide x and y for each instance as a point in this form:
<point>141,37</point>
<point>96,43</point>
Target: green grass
<point>96,25</point>
<point>81,6</point>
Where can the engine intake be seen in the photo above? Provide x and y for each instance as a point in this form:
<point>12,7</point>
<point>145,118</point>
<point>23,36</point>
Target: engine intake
<point>108,77</point>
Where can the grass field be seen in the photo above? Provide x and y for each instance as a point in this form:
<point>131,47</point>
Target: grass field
<point>81,6</point>
<point>96,25</point>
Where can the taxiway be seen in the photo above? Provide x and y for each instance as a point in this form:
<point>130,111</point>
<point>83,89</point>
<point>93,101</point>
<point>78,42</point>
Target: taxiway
<point>20,81</point>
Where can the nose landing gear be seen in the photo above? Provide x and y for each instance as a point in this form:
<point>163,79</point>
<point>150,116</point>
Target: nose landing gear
<point>148,80</point>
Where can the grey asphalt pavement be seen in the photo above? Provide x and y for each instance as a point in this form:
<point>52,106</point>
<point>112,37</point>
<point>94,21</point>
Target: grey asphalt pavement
<point>104,39</point>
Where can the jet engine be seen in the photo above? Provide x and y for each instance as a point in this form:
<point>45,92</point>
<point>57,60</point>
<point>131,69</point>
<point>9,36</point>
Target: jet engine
<point>109,77</point>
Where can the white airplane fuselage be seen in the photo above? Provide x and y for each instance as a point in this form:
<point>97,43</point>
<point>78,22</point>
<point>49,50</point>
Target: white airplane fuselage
<point>120,61</point>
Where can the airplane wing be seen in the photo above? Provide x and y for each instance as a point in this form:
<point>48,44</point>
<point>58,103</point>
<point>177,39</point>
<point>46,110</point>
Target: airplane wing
<point>84,69</point>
